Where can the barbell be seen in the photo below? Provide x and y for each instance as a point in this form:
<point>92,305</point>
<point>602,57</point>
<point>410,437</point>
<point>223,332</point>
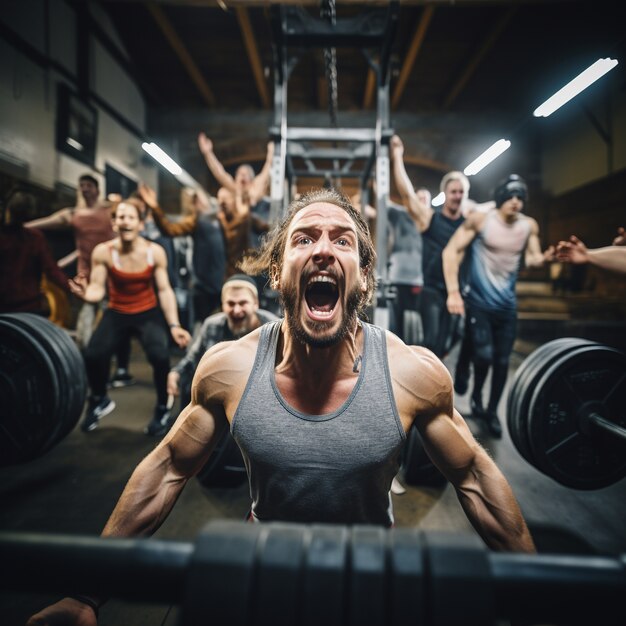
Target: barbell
<point>279,573</point>
<point>566,413</point>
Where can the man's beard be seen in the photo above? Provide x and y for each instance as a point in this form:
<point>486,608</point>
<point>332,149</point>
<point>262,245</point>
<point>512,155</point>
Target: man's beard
<point>289,298</point>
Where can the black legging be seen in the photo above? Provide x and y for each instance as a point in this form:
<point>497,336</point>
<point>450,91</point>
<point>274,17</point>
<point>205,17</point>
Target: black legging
<point>492,336</point>
<point>151,330</point>
<point>441,329</point>
<point>407,299</point>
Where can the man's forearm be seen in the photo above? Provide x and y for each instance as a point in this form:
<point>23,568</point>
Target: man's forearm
<point>612,258</point>
<point>147,499</point>
<point>451,261</point>
<point>493,511</point>
<point>167,300</point>
<point>174,229</point>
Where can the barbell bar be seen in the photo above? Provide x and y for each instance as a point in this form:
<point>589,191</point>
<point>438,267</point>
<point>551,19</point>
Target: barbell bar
<point>280,573</point>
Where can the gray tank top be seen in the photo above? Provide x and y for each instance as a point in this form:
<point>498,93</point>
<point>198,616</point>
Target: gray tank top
<point>334,468</point>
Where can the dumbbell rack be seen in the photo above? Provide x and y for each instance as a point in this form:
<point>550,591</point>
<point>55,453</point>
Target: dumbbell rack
<point>294,30</point>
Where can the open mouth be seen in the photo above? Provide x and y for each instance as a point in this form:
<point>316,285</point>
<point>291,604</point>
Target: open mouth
<point>321,296</point>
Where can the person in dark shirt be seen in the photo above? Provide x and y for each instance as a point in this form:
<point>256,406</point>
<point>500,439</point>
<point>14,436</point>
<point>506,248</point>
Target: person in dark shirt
<point>240,315</point>
<point>24,258</point>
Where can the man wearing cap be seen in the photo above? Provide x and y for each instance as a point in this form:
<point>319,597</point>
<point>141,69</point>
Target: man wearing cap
<point>499,238</point>
<point>240,315</point>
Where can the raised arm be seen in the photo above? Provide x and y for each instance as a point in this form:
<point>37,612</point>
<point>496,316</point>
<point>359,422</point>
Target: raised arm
<point>452,256</point>
<point>57,220</point>
<point>223,178</point>
<point>534,257</point>
<point>483,492</point>
<point>185,226</point>
<point>420,212</point>
<point>261,181</point>
<point>611,258</point>
<point>167,299</point>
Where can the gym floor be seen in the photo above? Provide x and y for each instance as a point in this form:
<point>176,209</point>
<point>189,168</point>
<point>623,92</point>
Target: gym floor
<point>74,487</point>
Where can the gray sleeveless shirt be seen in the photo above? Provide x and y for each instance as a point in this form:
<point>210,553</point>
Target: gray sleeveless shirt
<point>333,468</point>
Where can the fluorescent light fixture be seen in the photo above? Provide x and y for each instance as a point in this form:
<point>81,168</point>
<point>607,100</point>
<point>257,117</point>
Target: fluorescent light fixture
<point>574,87</point>
<point>487,157</point>
<point>164,159</point>
<point>75,144</point>
<point>439,199</point>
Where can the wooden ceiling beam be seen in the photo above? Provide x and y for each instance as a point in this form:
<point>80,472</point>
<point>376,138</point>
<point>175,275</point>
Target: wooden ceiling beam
<point>253,55</point>
<point>414,48</point>
<point>182,53</point>
<point>475,61</point>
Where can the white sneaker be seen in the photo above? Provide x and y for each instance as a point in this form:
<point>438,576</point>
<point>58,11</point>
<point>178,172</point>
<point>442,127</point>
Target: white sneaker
<point>396,487</point>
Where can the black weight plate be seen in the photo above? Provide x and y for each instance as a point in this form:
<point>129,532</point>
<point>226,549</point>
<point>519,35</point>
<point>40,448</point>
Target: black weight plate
<point>408,586</point>
<point>417,468</point>
<point>29,394</point>
<point>590,376</point>
<point>325,571</point>
<point>517,402</point>
<point>69,368</point>
<point>523,385</point>
<point>279,574</point>
<point>220,581</point>
<point>367,601</point>
<point>225,466</point>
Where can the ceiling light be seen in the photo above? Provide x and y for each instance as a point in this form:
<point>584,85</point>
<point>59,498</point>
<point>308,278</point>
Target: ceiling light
<point>164,159</point>
<point>439,199</point>
<point>487,157</point>
<point>574,87</point>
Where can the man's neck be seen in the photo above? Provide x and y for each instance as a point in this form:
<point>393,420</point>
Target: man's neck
<point>316,365</point>
<point>452,213</point>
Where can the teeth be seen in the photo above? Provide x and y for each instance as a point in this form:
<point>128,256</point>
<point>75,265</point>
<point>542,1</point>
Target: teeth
<point>323,279</point>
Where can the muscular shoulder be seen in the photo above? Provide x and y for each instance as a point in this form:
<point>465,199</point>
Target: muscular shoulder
<point>421,382</point>
<point>223,371</point>
<point>475,221</point>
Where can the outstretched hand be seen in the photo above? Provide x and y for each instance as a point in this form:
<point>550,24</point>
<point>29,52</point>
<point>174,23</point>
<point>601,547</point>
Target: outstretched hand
<point>66,612</point>
<point>204,143</point>
<point>620,240</point>
<point>549,254</point>
<point>148,195</point>
<point>572,251</point>
<point>78,285</point>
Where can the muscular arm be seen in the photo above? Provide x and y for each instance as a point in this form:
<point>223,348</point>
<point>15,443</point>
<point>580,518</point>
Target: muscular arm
<point>167,299</point>
<point>452,256</point>
<point>534,257</point>
<point>57,220</point>
<point>612,258</point>
<point>159,479</point>
<point>483,492</point>
<point>223,178</point>
<point>421,213</point>
<point>261,181</point>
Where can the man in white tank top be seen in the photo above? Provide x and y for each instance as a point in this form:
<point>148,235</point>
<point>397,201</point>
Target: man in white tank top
<point>499,238</point>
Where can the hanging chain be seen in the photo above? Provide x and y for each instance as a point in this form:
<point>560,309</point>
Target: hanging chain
<point>328,12</point>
